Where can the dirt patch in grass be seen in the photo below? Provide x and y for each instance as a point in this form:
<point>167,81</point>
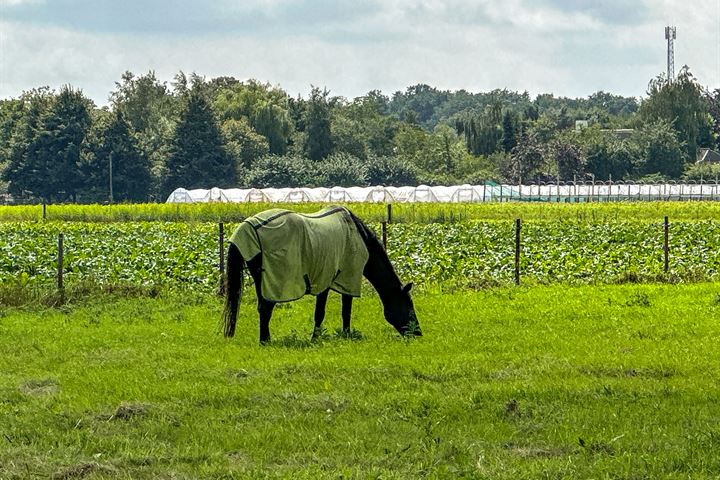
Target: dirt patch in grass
<point>625,372</point>
<point>82,471</point>
<point>39,388</point>
<point>532,452</point>
<point>127,411</point>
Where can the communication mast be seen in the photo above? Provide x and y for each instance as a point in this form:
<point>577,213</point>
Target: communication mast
<point>670,37</point>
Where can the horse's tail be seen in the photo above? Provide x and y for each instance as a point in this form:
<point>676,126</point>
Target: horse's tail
<point>234,289</point>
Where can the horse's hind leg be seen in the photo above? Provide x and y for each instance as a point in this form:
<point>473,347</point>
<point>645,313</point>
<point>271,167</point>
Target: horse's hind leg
<point>346,312</point>
<point>320,312</point>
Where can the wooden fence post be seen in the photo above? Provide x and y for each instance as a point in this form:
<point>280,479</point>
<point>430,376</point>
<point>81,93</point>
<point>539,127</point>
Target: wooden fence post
<point>60,257</point>
<point>44,211</point>
<point>666,247</point>
<point>384,234</point>
<point>221,252</point>
<point>389,213</point>
<point>517,252</point>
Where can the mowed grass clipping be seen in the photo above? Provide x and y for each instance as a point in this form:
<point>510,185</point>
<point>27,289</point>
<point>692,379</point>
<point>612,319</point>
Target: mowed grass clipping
<point>547,382</point>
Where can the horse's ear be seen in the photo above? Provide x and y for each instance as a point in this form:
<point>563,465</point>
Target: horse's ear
<point>407,288</point>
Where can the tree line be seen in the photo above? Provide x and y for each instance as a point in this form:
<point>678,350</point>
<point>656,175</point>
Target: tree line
<point>197,133</point>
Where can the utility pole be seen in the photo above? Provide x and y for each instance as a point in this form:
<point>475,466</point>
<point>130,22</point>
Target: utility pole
<point>111,189</point>
<point>670,35</point>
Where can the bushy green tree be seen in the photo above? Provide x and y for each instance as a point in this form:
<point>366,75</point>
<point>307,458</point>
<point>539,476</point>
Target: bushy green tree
<point>264,107</point>
<point>389,171</point>
<point>341,169</point>
<point>244,145</point>
<point>348,136</point>
<point>660,151</point>
<point>569,159</point>
<point>709,172</point>
<point>370,113</point>
<point>281,171</point>
<point>607,156</point>
<point>526,161</point>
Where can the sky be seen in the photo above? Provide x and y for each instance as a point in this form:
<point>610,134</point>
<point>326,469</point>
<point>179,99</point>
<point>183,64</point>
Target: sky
<point>565,47</point>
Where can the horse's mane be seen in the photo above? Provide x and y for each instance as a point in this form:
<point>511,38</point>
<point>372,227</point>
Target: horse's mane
<point>375,247</point>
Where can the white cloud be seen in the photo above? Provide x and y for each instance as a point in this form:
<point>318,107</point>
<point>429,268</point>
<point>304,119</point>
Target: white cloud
<point>15,3</point>
<point>540,47</point>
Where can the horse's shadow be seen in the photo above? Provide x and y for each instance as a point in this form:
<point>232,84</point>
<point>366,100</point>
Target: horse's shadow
<point>300,341</point>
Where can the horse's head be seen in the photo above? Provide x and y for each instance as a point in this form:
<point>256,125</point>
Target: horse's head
<point>400,313</point>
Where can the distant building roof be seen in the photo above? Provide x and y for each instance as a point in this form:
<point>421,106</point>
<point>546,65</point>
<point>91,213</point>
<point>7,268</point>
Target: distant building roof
<point>708,156</point>
<point>620,133</point>
<point>623,133</point>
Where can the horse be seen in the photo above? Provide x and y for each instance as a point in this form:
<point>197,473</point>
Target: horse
<point>290,255</point>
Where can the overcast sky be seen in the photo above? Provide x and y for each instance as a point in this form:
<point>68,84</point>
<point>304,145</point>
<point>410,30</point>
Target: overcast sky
<point>566,47</point>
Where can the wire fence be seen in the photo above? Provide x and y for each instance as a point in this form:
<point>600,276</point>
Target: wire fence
<point>480,254</point>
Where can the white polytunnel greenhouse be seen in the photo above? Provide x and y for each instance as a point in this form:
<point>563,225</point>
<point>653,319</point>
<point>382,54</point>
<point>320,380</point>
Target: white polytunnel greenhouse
<point>454,194</point>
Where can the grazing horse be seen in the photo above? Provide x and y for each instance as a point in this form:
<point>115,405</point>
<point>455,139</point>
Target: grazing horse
<point>290,255</point>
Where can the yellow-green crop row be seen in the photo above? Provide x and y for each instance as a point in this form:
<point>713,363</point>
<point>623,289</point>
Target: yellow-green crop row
<point>401,213</point>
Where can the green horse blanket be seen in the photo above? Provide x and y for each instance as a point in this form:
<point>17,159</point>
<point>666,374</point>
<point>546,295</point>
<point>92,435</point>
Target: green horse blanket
<point>304,253</point>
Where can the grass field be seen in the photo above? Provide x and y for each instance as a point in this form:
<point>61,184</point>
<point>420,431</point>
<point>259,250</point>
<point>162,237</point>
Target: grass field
<point>546,382</point>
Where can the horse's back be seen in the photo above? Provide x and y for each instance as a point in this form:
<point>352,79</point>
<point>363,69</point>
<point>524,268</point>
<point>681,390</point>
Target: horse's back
<point>304,253</point>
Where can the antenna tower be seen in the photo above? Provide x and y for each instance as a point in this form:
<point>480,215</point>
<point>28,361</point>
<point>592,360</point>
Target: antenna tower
<point>670,37</point>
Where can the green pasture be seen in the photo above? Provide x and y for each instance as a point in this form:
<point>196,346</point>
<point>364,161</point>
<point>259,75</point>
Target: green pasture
<point>401,212</point>
<point>506,383</point>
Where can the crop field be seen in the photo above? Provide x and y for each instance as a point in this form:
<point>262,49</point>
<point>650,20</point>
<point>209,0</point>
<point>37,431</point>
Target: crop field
<point>451,255</point>
<point>507,383</point>
<point>599,365</point>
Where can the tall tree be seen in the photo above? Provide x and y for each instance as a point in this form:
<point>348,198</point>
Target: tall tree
<point>47,159</point>
<point>483,133</point>
<point>20,171</point>
<point>151,110</point>
<point>713,102</point>
<point>510,126</point>
<point>317,120</point>
<point>197,154</point>
<point>680,103</point>
<point>113,148</point>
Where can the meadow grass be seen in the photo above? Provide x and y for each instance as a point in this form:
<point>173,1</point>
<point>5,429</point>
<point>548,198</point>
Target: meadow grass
<point>401,213</point>
<point>507,383</point>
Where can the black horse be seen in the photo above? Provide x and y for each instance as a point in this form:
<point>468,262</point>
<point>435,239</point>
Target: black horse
<point>398,306</point>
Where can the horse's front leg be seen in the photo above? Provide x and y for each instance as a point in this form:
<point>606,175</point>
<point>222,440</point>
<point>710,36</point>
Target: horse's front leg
<point>264,307</point>
<point>346,312</point>
<point>265,310</point>
<point>320,313</point>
